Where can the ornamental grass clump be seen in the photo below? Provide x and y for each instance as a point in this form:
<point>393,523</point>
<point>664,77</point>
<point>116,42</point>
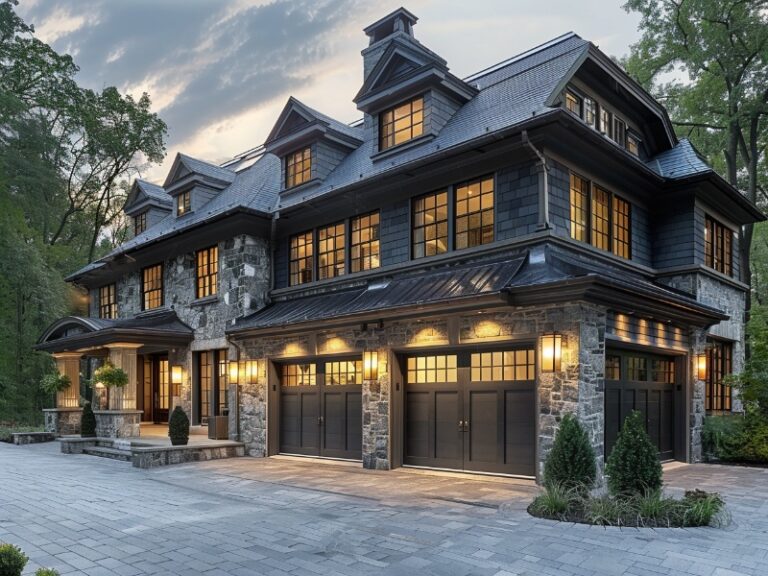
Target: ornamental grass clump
<point>12,560</point>
<point>633,466</point>
<point>178,427</point>
<point>88,422</point>
<point>571,461</point>
<point>555,503</point>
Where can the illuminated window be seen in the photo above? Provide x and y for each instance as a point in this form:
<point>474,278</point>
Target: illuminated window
<point>612,367</point>
<point>637,368</point>
<point>663,371</point>
<point>298,167</point>
<point>402,123</point>
<point>152,287</point>
<point>590,112</point>
<point>206,385</point>
<point>301,258</point>
<point>579,208</point>
<point>207,271</point>
<point>605,122</point>
<point>163,385</point>
<point>212,383</point>
<point>344,372</point>
<point>719,365</point>
<point>601,230</point>
<point>299,374</point>
<point>633,144</point>
<point>474,213</point>
<point>139,223</point>
<point>183,203</point>
<point>364,244</point>
<point>573,103</point>
<point>718,246</point>
<point>108,302</point>
<point>621,228</point>
<point>432,369</point>
<point>331,251</point>
<point>430,224</point>
<point>509,365</point>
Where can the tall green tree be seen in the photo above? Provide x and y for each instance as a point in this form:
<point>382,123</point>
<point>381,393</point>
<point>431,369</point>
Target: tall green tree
<point>707,60</point>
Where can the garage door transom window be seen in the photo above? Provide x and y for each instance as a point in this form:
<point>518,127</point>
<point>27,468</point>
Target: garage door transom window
<point>344,372</point>
<point>508,365</point>
<point>432,369</point>
<point>299,374</point>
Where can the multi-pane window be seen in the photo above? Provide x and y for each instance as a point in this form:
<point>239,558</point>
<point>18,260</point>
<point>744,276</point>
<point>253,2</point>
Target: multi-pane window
<point>301,258</point>
<point>637,368</point>
<point>343,372</point>
<point>364,243</point>
<point>633,145</point>
<point>430,224</point>
<point>663,370</point>
<point>152,287</point>
<point>590,112</point>
<point>612,367</point>
<point>432,369</point>
<point>331,251</point>
<point>402,123</point>
<point>605,122</point>
<point>164,384</point>
<point>718,246</point>
<point>207,271</point>
<point>579,208</point>
<point>299,374</point>
<point>108,302</point>
<point>212,383</point>
<point>206,384</point>
<point>621,228</point>
<point>719,365</point>
<point>573,103</point>
<point>183,203</point>
<point>298,167</point>
<point>474,213</point>
<point>600,218</point>
<point>500,366</point>
<point>139,223</point>
<point>619,131</point>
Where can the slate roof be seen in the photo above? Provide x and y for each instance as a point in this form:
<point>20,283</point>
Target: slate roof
<point>207,169</point>
<point>679,162</point>
<point>155,192</point>
<point>346,129</point>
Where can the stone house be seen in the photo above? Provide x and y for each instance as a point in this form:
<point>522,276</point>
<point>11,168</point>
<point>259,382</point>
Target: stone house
<point>437,284</point>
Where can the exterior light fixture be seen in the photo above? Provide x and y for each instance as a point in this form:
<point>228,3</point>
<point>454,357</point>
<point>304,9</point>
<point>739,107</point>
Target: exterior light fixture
<point>177,375</point>
<point>371,365</point>
<point>234,372</point>
<point>701,366</point>
<point>249,371</point>
<point>551,352</point>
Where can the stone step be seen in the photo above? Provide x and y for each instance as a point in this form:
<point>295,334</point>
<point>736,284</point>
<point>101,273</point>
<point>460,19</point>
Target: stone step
<point>112,453</point>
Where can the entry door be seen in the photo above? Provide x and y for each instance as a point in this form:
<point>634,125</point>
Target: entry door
<point>321,409</point>
<point>645,383</point>
<point>161,389</point>
<point>472,411</point>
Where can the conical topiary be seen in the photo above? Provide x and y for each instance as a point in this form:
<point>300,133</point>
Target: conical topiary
<point>571,461</point>
<point>178,427</point>
<point>88,421</point>
<point>633,466</point>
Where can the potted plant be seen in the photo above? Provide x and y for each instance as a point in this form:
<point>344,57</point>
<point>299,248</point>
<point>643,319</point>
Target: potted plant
<point>54,382</point>
<point>178,427</point>
<point>88,422</point>
<point>109,376</point>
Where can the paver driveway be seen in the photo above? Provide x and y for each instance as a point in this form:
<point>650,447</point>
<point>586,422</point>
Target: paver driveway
<point>85,515</point>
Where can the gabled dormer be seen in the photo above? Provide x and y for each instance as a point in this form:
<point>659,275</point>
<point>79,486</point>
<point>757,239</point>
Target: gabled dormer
<point>146,205</point>
<point>408,93</point>
<point>192,183</point>
<point>309,144</point>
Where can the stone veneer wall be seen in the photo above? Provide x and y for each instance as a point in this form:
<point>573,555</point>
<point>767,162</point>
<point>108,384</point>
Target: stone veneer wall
<point>578,388</point>
<point>63,421</point>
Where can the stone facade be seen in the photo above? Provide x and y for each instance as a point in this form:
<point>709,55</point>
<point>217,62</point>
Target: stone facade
<point>117,423</point>
<point>63,421</point>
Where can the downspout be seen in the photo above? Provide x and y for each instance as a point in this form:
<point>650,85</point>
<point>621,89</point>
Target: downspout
<point>543,193</point>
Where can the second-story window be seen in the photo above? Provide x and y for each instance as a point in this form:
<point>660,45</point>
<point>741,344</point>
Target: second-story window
<point>108,302</point>
<point>364,243</point>
<point>605,122</point>
<point>573,103</point>
<point>139,223</point>
<point>430,224</point>
<point>301,260</point>
<point>298,167</point>
<point>152,287</point>
<point>600,218</point>
<point>718,246</point>
<point>331,247</point>
<point>206,271</point>
<point>474,213</point>
<point>633,144</point>
<point>719,365</point>
<point>590,112</point>
<point>401,123</point>
<point>619,131</point>
<point>183,203</point>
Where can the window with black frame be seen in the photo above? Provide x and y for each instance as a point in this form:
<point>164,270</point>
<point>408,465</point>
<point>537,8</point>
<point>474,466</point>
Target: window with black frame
<point>301,263</point>
<point>718,246</point>
<point>364,243</point>
<point>152,287</point>
<point>474,213</point>
<point>108,302</point>
<point>718,394</point>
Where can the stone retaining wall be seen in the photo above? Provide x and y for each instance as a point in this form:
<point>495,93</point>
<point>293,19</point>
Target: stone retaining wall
<point>152,457</point>
<point>118,423</point>
<point>63,421</point>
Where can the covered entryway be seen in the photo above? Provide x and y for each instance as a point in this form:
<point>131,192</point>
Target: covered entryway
<point>647,383</point>
<point>321,408</point>
<point>471,411</point>
<point>154,384</point>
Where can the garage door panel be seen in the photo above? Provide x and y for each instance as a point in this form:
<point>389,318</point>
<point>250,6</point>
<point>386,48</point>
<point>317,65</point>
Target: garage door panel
<point>447,434</point>
<point>354,407</point>
<point>309,421</point>
<point>520,433</point>
<point>334,421</point>
<point>290,426</point>
<point>417,440</point>
<point>613,417</point>
<point>483,427</point>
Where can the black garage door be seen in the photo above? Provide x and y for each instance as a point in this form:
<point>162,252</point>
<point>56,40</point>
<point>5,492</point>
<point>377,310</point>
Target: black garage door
<point>645,383</point>
<point>321,409</point>
<point>472,411</point>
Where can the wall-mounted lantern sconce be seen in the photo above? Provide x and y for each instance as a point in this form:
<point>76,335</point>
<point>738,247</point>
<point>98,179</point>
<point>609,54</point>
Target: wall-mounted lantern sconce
<point>177,375</point>
<point>243,371</point>
<point>371,365</point>
<point>234,372</point>
<point>701,366</point>
<point>551,352</point>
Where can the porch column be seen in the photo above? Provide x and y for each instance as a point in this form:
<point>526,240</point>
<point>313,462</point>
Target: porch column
<point>124,356</point>
<point>68,364</point>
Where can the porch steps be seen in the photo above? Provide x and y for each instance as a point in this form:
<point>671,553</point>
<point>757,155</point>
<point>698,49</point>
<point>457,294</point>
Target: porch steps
<point>112,453</point>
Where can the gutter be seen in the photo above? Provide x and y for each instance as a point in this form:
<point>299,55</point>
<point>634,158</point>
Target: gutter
<point>543,194</point>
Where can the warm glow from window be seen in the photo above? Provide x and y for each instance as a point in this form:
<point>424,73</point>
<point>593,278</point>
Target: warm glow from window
<point>298,167</point>
<point>402,123</point>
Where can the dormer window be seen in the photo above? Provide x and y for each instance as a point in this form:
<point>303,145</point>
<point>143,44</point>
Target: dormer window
<point>139,223</point>
<point>183,203</point>
<point>619,131</point>
<point>402,123</point>
<point>298,167</point>
<point>573,103</point>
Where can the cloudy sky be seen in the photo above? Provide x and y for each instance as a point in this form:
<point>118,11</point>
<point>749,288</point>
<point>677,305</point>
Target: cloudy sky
<point>220,71</point>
